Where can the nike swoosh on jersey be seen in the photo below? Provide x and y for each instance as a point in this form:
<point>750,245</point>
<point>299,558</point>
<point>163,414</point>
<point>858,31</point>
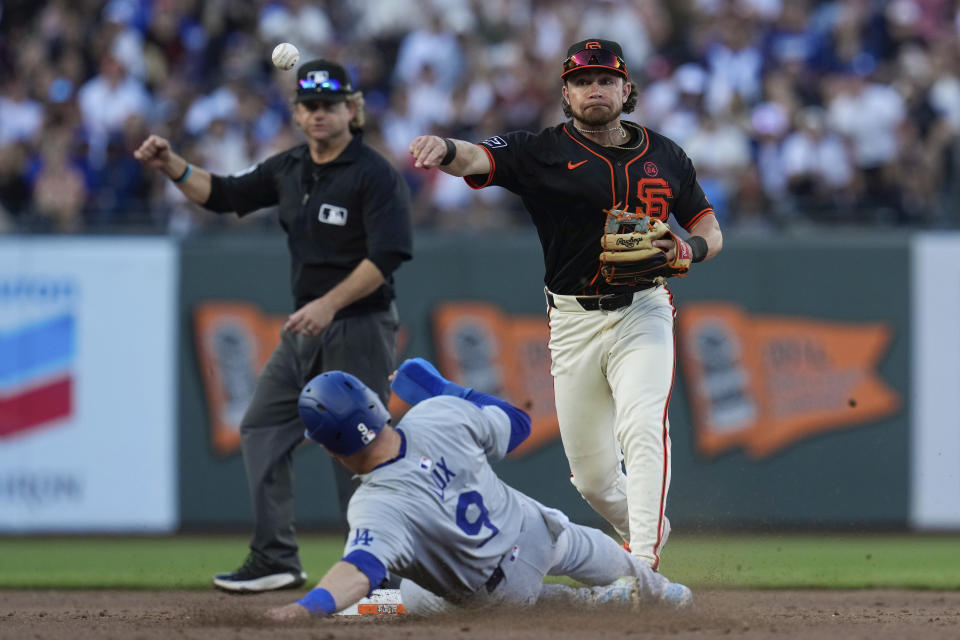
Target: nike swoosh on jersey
<point>572,166</point>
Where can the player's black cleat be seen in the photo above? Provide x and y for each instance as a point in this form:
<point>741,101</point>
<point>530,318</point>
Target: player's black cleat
<point>258,575</point>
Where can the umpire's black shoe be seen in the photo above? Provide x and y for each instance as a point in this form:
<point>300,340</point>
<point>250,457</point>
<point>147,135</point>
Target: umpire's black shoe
<point>258,575</point>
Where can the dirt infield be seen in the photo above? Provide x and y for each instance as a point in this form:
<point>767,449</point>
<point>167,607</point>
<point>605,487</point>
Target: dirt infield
<point>210,615</point>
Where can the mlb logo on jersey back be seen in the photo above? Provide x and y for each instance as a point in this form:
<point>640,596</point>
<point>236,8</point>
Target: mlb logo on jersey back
<point>495,142</point>
<point>330,214</point>
<point>425,463</point>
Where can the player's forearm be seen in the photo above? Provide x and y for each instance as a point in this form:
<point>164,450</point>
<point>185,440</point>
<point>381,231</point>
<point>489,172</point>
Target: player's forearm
<point>362,281</point>
<point>469,159</point>
<point>196,185</point>
<point>708,229</point>
<point>456,157</point>
<point>342,586</point>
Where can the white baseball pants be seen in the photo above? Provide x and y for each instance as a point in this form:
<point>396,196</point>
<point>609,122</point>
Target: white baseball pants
<point>613,376</point>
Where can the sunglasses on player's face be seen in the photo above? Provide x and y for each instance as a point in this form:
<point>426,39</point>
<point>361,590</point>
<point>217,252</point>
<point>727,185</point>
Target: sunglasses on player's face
<point>588,58</point>
<point>330,85</point>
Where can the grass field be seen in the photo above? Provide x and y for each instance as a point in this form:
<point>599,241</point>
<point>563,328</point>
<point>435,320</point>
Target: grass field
<point>723,561</point>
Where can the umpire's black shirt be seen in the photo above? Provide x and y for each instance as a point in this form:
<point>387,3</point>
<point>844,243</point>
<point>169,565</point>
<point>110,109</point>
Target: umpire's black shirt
<point>335,214</point>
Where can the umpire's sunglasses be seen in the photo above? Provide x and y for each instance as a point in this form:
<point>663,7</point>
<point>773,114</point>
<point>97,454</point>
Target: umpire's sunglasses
<point>594,59</point>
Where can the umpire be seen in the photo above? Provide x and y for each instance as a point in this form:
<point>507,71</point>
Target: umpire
<point>346,212</point>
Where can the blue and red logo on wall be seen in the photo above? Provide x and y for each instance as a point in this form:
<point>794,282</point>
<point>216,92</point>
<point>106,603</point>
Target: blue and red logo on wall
<point>37,350</point>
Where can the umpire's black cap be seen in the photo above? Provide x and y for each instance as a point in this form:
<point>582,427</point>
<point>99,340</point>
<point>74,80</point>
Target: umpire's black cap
<point>594,53</point>
<point>322,80</point>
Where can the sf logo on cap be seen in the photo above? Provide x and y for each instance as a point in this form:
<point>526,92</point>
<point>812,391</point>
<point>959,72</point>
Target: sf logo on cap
<point>593,45</point>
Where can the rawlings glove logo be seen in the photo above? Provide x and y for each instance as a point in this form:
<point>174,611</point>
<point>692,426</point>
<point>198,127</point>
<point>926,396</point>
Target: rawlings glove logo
<point>629,243</point>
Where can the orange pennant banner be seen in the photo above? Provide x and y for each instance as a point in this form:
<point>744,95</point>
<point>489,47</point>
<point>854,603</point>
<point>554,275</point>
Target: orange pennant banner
<point>233,342</point>
<point>764,382</point>
<point>479,346</point>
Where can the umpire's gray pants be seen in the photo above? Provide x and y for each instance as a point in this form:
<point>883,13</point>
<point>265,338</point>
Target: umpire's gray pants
<point>363,345</point>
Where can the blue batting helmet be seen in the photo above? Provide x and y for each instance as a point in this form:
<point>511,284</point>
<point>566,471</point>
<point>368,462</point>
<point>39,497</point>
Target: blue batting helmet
<point>341,413</point>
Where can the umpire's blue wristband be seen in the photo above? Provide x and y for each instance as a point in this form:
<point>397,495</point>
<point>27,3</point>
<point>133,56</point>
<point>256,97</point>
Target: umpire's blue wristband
<point>183,176</point>
<point>318,602</point>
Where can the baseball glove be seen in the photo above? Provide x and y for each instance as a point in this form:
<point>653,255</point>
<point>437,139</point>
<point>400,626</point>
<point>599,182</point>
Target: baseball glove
<point>629,256</point>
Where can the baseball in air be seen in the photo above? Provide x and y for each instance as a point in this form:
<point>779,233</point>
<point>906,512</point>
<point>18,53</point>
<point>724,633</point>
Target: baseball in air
<point>285,56</point>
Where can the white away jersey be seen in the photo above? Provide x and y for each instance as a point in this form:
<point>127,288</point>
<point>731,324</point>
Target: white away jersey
<point>437,514</point>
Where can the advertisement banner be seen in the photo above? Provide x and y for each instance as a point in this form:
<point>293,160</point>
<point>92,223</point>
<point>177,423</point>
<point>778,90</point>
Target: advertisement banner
<point>87,351</point>
<point>935,445</point>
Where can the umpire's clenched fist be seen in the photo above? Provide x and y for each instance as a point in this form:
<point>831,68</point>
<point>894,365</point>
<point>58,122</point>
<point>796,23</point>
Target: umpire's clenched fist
<point>194,182</point>
<point>154,152</point>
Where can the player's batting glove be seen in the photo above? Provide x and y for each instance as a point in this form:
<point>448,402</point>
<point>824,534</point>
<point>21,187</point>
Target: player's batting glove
<point>417,380</point>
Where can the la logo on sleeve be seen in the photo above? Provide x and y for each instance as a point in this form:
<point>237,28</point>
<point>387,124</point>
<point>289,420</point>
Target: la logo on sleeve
<point>330,214</point>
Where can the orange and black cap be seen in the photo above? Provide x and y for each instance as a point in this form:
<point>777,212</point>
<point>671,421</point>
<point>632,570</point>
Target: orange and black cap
<point>594,54</point>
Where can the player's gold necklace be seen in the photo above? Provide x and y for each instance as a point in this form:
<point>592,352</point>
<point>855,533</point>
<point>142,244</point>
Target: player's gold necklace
<point>619,127</point>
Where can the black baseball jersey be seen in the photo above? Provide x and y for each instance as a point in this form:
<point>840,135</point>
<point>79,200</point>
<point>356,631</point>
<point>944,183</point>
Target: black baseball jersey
<point>335,214</point>
<point>567,182</point>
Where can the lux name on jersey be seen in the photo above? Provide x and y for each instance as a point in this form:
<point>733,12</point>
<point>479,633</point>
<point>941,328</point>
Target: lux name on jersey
<point>439,475</point>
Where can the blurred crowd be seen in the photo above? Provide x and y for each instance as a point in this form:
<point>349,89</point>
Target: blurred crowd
<point>795,112</point>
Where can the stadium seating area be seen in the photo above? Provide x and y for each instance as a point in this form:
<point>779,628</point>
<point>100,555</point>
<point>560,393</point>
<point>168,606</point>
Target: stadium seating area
<point>795,112</point>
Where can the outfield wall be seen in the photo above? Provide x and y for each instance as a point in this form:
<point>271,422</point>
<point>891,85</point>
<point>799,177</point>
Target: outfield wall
<point>826,320</point>
<point>254,274</point>
<point>803,397</point>
<point>820,466</point>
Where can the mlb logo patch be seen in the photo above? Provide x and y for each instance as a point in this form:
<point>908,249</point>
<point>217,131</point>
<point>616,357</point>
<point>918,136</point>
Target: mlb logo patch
<point>425,463</point>
<point>330,214</point>
<point>319,76</point>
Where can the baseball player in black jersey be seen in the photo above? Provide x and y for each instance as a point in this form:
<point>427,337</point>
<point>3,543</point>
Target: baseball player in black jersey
<point>611,337</point>
<point>346,213</point>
